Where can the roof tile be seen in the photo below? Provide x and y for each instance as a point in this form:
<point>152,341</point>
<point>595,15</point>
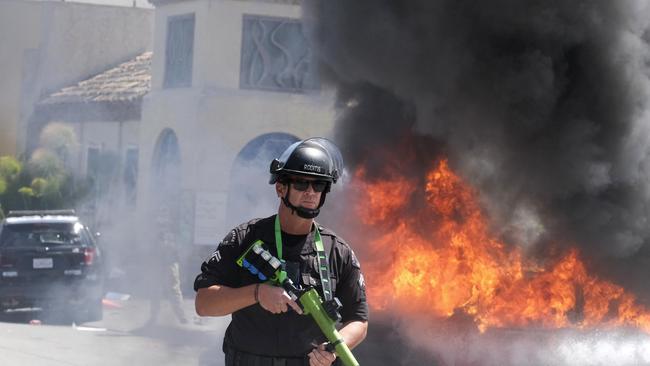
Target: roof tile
<point>127,82</point>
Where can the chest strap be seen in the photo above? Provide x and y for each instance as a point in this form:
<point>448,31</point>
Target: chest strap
<point>321,256</point>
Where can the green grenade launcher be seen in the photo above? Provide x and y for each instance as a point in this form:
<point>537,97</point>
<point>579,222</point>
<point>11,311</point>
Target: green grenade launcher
<point>261,263</point>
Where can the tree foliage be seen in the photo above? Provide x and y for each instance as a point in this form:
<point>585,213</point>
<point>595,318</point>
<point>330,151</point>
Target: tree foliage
<point>43,181</point>
<point>38,185</point>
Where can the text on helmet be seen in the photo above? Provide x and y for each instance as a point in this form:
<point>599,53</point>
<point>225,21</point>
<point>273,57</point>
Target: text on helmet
<point>312,168</point>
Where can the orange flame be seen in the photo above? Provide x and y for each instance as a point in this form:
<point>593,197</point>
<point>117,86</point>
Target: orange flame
<point>443,259</point>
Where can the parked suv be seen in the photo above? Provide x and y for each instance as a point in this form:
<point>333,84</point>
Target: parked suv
<point>49,259</point>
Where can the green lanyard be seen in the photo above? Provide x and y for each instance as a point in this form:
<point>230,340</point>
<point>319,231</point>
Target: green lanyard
<point>323,267</point>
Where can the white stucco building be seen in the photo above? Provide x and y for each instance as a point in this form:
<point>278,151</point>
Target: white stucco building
<point>233,84</point>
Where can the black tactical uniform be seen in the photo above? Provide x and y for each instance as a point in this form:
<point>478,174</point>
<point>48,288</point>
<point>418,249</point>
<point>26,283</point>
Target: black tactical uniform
<point>284,338</point>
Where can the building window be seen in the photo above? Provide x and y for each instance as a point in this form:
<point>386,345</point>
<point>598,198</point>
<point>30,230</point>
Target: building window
<point>168,157</point>
<point>131,176</point>
<point>276,56</point>
<point>179,51</point>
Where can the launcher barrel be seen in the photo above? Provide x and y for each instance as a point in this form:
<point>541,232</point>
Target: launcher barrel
<point>312,305</point>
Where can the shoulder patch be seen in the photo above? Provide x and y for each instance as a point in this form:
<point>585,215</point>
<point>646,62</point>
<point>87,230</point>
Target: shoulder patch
<point>230,239</point>
<point>216,257</point>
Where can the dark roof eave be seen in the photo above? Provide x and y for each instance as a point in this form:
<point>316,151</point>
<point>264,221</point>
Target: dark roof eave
<point>90,111</point>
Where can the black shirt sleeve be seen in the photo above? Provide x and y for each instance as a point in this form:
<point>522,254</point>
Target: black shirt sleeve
<point>351,289</point>
<point>221,268</point>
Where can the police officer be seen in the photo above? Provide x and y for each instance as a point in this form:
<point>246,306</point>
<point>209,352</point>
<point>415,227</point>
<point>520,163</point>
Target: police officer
<point>267,326</point>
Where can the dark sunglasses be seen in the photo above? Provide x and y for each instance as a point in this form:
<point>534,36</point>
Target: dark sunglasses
<point>303,185</point>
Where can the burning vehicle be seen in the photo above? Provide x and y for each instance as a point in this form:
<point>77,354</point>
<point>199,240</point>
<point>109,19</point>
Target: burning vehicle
<point>49,259</point>
<point>499,156</point>
<point>440,281</point>
<point>455,264</point>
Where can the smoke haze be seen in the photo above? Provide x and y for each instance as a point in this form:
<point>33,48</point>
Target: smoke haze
<point>543,106</point>
<point>529,347</point>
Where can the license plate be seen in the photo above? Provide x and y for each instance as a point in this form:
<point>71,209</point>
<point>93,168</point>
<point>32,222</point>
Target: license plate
<point>43,263</point>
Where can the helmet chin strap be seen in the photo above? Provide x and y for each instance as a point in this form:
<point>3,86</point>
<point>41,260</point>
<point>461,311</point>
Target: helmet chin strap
<point>305,213</point>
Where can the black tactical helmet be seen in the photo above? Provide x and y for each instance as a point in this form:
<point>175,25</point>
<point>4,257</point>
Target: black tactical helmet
<point>315,157</point>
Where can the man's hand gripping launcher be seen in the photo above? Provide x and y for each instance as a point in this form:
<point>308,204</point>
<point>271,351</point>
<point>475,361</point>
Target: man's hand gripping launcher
<point>259,261</point>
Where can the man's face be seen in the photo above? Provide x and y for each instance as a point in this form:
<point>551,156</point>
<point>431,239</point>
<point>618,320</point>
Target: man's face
<point>303,191</point>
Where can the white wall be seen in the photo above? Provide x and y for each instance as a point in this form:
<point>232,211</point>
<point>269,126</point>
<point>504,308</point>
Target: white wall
<point>107,136</point>
<point>20,31</point>
<point>45,46</point>
<point>112,136</point>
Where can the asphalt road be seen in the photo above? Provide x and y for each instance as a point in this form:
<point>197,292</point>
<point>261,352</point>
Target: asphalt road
<point>30,338</point>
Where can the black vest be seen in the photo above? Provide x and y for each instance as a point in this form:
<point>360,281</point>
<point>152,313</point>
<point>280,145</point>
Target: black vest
<point>257,331</point>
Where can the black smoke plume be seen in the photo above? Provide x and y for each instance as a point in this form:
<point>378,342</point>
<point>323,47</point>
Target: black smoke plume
<point>542,105</point>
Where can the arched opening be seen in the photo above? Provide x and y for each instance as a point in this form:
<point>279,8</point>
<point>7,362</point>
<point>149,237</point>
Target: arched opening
<point>250,195</point>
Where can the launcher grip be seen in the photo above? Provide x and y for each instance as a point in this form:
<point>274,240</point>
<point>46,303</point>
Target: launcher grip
<point>313,306</point>
<point>259,262</point>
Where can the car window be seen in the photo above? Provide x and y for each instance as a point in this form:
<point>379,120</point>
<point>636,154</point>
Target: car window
<point>34,234</point>
<point>87,237</point>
